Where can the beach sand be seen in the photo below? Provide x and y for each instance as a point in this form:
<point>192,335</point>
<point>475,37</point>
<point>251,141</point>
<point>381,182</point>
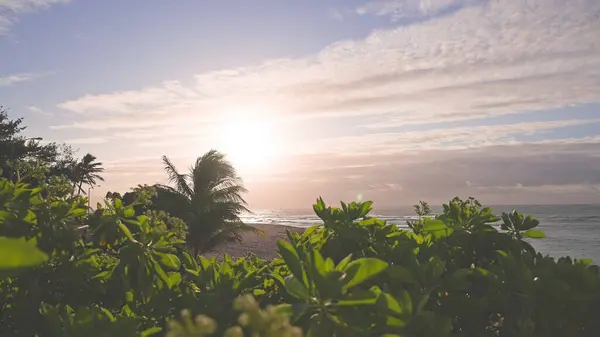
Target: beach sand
<point>264,246</point>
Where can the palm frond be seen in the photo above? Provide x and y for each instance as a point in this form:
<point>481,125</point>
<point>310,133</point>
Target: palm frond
<point>172,201</point>
<point>229,210</point>
<point>88,159</point>
<point>229,193</point>
<point>85,171</point>
<point>209,170</point>
<point>208,198</point>
<point>176,178</point>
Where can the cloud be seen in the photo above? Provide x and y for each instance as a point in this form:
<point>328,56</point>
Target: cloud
<point>439,138</point>
<point>584,188</point>
<point>10,80</point>
<point>170,94</point>
<point>336,15</point>
<point>563,151</point>
<point>38,111</point>
<point>470,60</point>
<point>401,9</point>
<point>88,141</point>
<point>11,9</point>
<point>503,57</point>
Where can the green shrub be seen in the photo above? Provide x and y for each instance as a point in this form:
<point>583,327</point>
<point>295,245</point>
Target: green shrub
<point>465,272</point>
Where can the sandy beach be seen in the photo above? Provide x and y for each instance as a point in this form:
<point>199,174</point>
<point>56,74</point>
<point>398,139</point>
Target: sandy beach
<point>264,246</point>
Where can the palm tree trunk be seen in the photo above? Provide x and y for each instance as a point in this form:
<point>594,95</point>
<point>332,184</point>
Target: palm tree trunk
<point>74,188</point>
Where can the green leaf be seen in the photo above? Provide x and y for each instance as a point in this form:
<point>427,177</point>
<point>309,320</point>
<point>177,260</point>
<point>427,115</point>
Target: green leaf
<point>296,288</point>
<point>422,303</point>
<point>277,278</point>
<point>258,292</point>
<point>362,269</point>
<point>204,262</point>
<point>458,280</point>
<point>365,208</point>
<point>402,274</point>
<point>161,273</point>
<point>189,262</point>
<point>169,260</point>
<point>529,223</point>
<point>4,216</point>
<point>309,231</point>
<point>393,310</point>
<point>405,302</point>
<point>193,272</point>
<point>434,225</point>
<point>78,212</point>
<point>342,265</point>
<point>371,222</point>
<point>226,269</point>
<point>291,258</point>
<point>331,285</point>
<point>126,311</point>
<point>389,303</point>
<point>319,207</point>
<point>485,228</point>
<point>318,262</point>
<point>118,203</point>
<point>18,253</point>
<point>128,212</point>
<point>507,222</point>
<point>151,331</point>
<point>108,314</point>
<point>436,267</point>
<point>516,218</point>
<point>103,275</point>
<point>174,279</point>
<point>394,234</point>
<point>534,234</point>
<point>317,269</point>
<point>126,231</point>
<point>364,297</point>
<point>329,265</point>
<point>129,296</point>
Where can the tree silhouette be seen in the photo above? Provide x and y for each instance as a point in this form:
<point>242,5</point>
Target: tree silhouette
<point>87,171</point>
<point>208,199</point>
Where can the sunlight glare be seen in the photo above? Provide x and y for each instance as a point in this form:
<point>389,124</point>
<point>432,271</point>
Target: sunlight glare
<point>248,140</point>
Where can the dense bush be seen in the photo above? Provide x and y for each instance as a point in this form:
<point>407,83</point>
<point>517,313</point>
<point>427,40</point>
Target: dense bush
<point>465,272</point>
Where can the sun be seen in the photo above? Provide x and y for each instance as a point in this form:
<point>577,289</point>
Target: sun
<point>249,141</point>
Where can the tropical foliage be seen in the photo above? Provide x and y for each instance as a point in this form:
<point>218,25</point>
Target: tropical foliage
<point>25,159</point>
<point>15,148</point>
<point>466,273</point>
<point>208,198</point>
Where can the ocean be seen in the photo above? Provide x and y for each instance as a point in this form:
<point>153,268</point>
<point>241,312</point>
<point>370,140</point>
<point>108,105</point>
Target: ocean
<point>571,230</point>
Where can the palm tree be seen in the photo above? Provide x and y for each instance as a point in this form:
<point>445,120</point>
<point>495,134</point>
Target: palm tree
<point>87,171</point>
<point>208,199</point>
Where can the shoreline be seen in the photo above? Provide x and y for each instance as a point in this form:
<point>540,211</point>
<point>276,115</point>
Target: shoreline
<point>263,246</point>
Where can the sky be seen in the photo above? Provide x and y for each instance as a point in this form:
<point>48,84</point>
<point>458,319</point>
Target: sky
<point>394,101</point>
